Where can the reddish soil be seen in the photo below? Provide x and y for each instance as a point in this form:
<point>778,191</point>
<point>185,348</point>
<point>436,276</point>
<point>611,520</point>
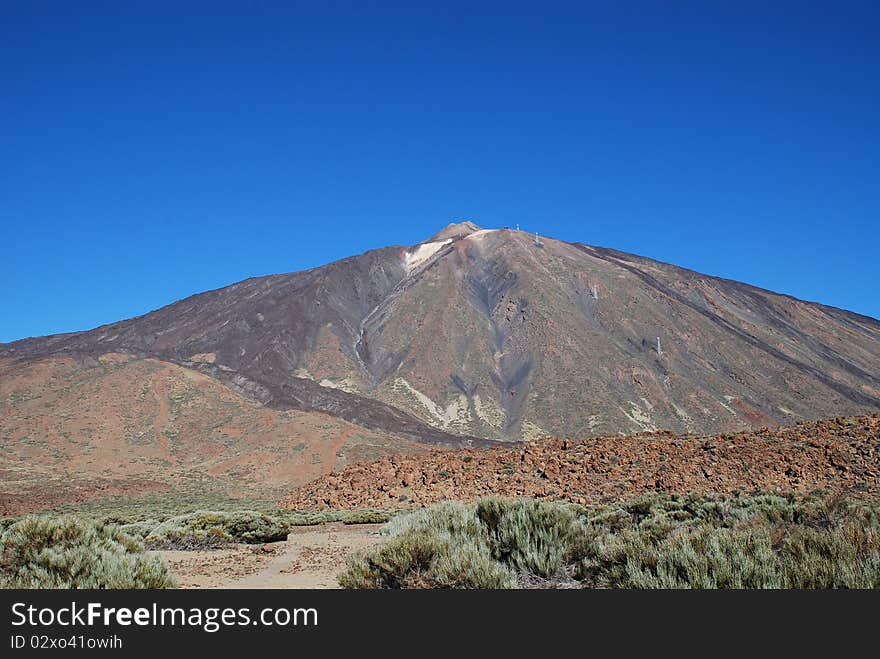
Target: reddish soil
<point>74,431</point>
<point>34,497</point>
<point>829,456</point>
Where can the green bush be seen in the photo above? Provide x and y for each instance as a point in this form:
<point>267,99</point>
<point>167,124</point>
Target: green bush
<point>68,552</point>
<point>453,545</point>
<point>417,552</point>
<point>402,562</point>
<point>707,558</point>
<point>656,541</point>
<point>207,529</point>
<point>471,565</point>
<point>531,536</point>
<point>422,559</point>
<point>368,517</point>
<point>309,518</point>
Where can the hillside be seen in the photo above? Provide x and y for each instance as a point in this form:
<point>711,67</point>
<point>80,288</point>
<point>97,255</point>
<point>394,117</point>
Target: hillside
<point>79,429</point>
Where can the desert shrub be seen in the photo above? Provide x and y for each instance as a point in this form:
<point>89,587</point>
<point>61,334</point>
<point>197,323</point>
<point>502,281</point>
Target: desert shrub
<point>207,529</point>
<point>743,557</point>
<point>140,530</point>
<point>311,518</point>
<point>705,558</point>
<point>139,515</point>
<point>656,541</point>
<point>453,545</point>
<point>446,518</point>
<point>438,547</point>
<point>368,517</point>
<point>471,565</point>
<point>252,527</point>
<point>68,552</point>
<point>530,535</point>
<point>402,562</point>
<point>128,509</point>
<point>210,529</point>
<point>846,556</point>
<point>744,542</point>
<point>307,518</point>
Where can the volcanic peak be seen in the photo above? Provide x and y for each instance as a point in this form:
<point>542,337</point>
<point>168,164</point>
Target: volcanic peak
<point>455,230</point>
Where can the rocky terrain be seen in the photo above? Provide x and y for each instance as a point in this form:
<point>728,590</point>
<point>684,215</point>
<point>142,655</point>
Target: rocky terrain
<point>840,455</point>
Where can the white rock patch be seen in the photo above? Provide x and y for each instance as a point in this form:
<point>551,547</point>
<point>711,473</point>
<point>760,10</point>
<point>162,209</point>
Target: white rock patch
<point>684,416</point>
<point>422,253</point>
<point>489,412</point>
<point>532,431</point>
<point>455,413</point>
<point>345,384</point>
<point>727,407</point>
<point>639,417</point>
<point>477,235</point>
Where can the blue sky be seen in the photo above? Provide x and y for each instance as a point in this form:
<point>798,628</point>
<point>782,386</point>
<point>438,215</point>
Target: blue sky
<point>149,151</point>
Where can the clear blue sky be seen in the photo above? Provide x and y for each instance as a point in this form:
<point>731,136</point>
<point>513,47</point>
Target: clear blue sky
<point>148,152</point>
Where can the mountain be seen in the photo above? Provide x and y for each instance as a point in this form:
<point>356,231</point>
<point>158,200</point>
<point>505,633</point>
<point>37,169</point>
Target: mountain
<point>477,335</point>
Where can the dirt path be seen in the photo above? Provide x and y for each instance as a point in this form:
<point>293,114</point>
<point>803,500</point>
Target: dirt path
<point>311,557</point>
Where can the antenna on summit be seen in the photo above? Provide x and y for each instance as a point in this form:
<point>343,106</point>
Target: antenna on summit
<point>538,240</point>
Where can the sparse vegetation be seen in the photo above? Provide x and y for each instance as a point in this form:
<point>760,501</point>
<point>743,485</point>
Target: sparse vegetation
<point>437,547</point>
<point>657,541</point>
<point>367,516</point>
<point>5,523</point>
<point>97,548</point>
<point>71,552</point>
<point>190,522</point>
<point>205,529</point>
<point>137,508</point>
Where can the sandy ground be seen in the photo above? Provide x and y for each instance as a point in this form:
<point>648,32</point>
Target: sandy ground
<point>311,557</point>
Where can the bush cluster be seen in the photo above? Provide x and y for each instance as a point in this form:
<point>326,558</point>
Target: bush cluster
<point>454,545</point>
<point>657,541</point>
<point>206,529</point>
<point>70,552</point>
<point>102,550</point>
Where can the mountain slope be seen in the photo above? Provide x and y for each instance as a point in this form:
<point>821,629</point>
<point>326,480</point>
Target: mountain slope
<point>497,334</point>
<point>73,429</point>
